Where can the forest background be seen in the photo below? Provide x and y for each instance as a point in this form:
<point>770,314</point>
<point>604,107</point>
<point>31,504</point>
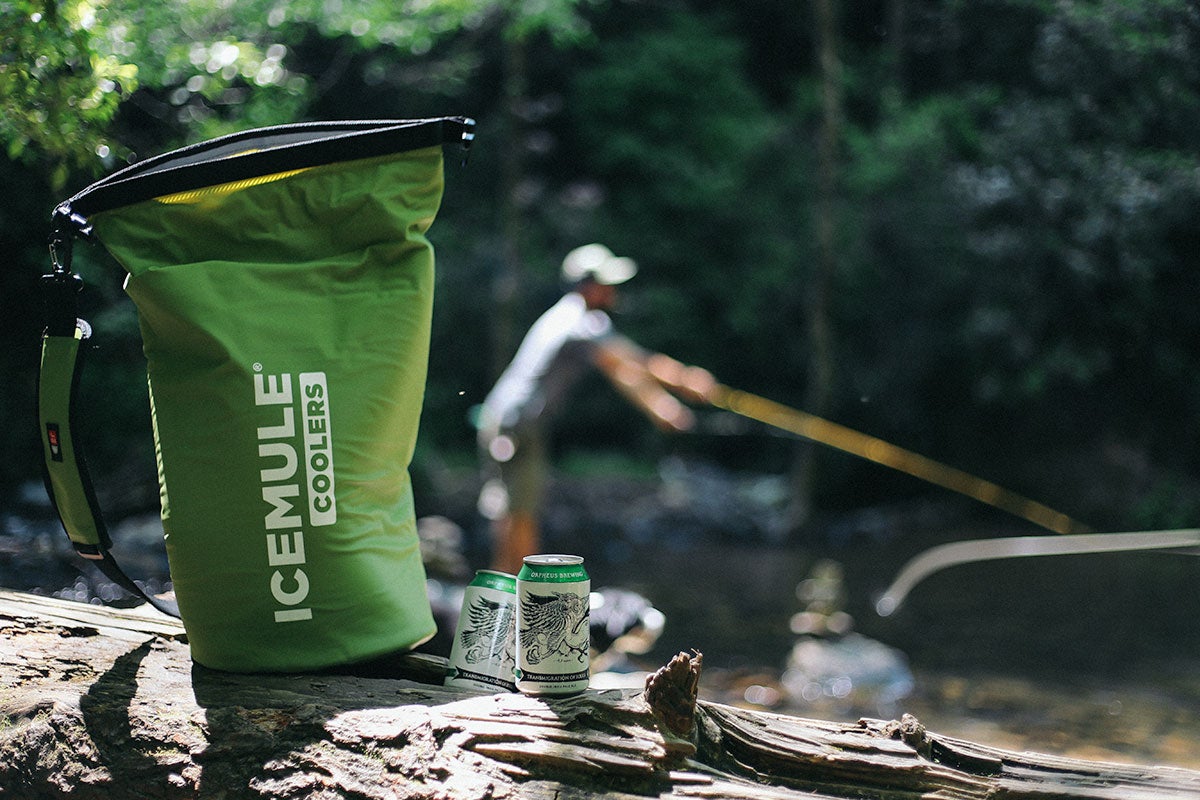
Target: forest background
<point>968,227</point>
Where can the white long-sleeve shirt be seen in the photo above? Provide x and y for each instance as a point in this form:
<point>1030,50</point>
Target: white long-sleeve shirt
<point>553,354</point>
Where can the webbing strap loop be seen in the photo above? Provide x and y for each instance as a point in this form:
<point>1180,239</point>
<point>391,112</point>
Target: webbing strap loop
<point>67,480</point>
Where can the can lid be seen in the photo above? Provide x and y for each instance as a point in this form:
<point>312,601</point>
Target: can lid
<point>553,560</point>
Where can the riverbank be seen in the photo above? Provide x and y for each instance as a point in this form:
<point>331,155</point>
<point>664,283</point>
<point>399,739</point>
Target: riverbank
<point>1092,657</point>
<point>1148,719</point>
<point>1084,656</point>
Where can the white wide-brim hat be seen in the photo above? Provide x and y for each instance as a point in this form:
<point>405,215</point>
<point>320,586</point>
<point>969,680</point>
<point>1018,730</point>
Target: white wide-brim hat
<point>597,262</point>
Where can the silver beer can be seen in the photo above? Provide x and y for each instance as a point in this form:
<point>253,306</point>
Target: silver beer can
<point>483,655</point>
<point>553,638</point>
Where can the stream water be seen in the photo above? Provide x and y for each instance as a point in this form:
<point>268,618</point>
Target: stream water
<point>1061,673</point>
<point>1092,656</point>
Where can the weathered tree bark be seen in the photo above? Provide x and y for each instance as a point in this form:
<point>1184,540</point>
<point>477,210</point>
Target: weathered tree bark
<point>102,703</point>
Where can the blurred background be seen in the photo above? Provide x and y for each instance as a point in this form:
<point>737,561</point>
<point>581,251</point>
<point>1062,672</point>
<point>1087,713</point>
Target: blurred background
<point>967,228</point>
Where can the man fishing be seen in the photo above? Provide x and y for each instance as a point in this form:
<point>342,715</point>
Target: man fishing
<point>574,335</point>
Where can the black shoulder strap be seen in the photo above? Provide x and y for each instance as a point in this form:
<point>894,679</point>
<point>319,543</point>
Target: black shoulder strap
<point>67,480</point>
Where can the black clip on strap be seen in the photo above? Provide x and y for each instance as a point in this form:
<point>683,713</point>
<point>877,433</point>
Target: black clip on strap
<point>60,286</point>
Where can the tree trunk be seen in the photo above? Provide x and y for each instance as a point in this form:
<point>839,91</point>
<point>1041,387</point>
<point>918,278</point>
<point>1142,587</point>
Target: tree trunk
<point>819,395</point>
<point>103,703</point>
<point>506,289</point>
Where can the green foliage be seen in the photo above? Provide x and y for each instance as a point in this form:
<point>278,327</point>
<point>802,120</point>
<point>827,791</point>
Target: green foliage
<point>62,75</point>
<point>1076,213</point>
<point>666,120</point>
<point>1015,193</point>
<point>206,67</point>
<point>675,136</point>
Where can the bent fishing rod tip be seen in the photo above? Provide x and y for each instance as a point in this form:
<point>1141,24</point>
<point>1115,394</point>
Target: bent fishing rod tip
<point>952,554</point>
<point>887,604</point>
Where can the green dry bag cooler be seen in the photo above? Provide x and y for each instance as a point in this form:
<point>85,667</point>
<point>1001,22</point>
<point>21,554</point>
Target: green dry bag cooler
<point>284,290</point>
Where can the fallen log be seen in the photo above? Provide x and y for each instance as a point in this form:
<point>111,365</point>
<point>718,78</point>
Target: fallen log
<point>105,703</point>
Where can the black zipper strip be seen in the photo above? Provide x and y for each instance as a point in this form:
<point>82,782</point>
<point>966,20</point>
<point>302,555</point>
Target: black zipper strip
<point>255,153</point>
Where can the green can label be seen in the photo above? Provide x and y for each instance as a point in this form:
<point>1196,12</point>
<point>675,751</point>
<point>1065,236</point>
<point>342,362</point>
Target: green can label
<point>498,581</point>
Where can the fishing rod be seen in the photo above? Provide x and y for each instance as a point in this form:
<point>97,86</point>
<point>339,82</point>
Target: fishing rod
<point>1077,538</point>
<point>848,440</point>
<point>942,556</point>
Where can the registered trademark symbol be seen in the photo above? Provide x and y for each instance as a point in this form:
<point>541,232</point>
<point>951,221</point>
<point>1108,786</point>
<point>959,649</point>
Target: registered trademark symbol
<point>258,366</point>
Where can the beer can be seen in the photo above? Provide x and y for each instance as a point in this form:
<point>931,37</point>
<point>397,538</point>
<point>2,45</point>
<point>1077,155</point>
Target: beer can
<point>553,638</point>
<point>483,655</point>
